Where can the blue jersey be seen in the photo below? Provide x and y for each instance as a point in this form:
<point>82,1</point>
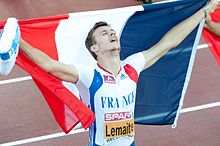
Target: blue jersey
<point>112,99</point>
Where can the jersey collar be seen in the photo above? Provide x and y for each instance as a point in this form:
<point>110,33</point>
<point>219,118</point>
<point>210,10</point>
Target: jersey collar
<point>107,70</point>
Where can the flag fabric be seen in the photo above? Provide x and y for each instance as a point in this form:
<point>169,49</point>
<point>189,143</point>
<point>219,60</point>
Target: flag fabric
<point>161,88</point>
<point>212,40</point>
<point>66,107</point>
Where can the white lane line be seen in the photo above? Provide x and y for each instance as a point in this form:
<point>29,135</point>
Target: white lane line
<point>56,135</point>
<point>203,46</point>
<point>200,107</point>
<point>40,138</point>
<point>15,80</point>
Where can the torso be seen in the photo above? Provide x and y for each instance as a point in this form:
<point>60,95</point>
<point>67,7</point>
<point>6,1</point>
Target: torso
<point>112,99</point>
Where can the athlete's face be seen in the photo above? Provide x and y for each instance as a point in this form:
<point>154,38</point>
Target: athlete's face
<point>106,40</point>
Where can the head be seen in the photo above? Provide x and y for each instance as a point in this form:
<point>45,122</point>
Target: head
<point>101,36</point>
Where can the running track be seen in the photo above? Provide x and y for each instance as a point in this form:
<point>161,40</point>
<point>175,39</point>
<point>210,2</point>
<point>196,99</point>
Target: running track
<point>26,119</point>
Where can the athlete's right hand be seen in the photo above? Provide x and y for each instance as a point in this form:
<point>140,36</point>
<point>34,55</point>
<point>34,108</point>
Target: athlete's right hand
<point>210,7</point>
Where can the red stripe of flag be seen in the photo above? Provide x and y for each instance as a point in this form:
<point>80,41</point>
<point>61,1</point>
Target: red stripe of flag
<point>68,110</point>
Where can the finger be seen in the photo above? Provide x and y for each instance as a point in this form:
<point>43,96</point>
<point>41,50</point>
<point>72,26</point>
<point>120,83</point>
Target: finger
<point>208,18</point>
<point>205,25</point>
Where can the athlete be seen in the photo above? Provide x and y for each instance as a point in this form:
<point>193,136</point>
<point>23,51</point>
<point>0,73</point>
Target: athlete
<point>109,87</point>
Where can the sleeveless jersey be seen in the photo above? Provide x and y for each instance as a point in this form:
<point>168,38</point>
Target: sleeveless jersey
<point>112,99</point>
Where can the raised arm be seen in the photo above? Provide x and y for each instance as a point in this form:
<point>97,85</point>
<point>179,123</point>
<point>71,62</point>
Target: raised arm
<point>177,34</point>
<point>62,71</point>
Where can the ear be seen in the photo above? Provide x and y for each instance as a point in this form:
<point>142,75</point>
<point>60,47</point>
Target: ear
<point>94,48</point>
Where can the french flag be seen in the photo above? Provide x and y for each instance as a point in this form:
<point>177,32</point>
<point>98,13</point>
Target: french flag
<point>161,88</point>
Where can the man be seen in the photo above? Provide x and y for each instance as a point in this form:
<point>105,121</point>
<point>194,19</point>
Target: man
<point>110,85</point>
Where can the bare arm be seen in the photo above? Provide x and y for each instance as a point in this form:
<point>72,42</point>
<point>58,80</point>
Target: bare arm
<point>176,35</point>
<point>62,71</point>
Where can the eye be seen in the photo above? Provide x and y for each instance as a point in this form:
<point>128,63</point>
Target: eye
<point>104,33</point>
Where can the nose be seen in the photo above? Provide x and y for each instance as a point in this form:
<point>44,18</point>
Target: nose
<point>112,33</point>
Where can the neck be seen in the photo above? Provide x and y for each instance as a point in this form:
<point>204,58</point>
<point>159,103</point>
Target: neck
<point>110,63</point>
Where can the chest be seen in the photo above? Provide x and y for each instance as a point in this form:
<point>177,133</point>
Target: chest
<point>114,92</point>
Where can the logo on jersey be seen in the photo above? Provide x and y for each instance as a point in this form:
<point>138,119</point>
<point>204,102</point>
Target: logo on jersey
<point>118,124</point>
<point>118,116</point>
<point>123,76</point>
<point>118,102</point>
<point>109,79</point>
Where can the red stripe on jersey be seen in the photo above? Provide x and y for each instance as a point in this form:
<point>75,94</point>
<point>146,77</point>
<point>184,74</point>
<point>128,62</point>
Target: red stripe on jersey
<point>106,69</point>
<point>131,72</point>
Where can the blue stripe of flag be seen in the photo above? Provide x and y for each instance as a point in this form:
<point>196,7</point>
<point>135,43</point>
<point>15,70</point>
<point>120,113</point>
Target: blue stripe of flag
<point>160,87</point>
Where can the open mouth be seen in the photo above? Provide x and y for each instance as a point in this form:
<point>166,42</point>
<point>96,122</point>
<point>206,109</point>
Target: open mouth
<point>113,40</point>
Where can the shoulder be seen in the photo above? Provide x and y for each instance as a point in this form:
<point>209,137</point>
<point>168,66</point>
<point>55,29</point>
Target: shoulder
<point>85,73</point>
<point>136,61</point>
